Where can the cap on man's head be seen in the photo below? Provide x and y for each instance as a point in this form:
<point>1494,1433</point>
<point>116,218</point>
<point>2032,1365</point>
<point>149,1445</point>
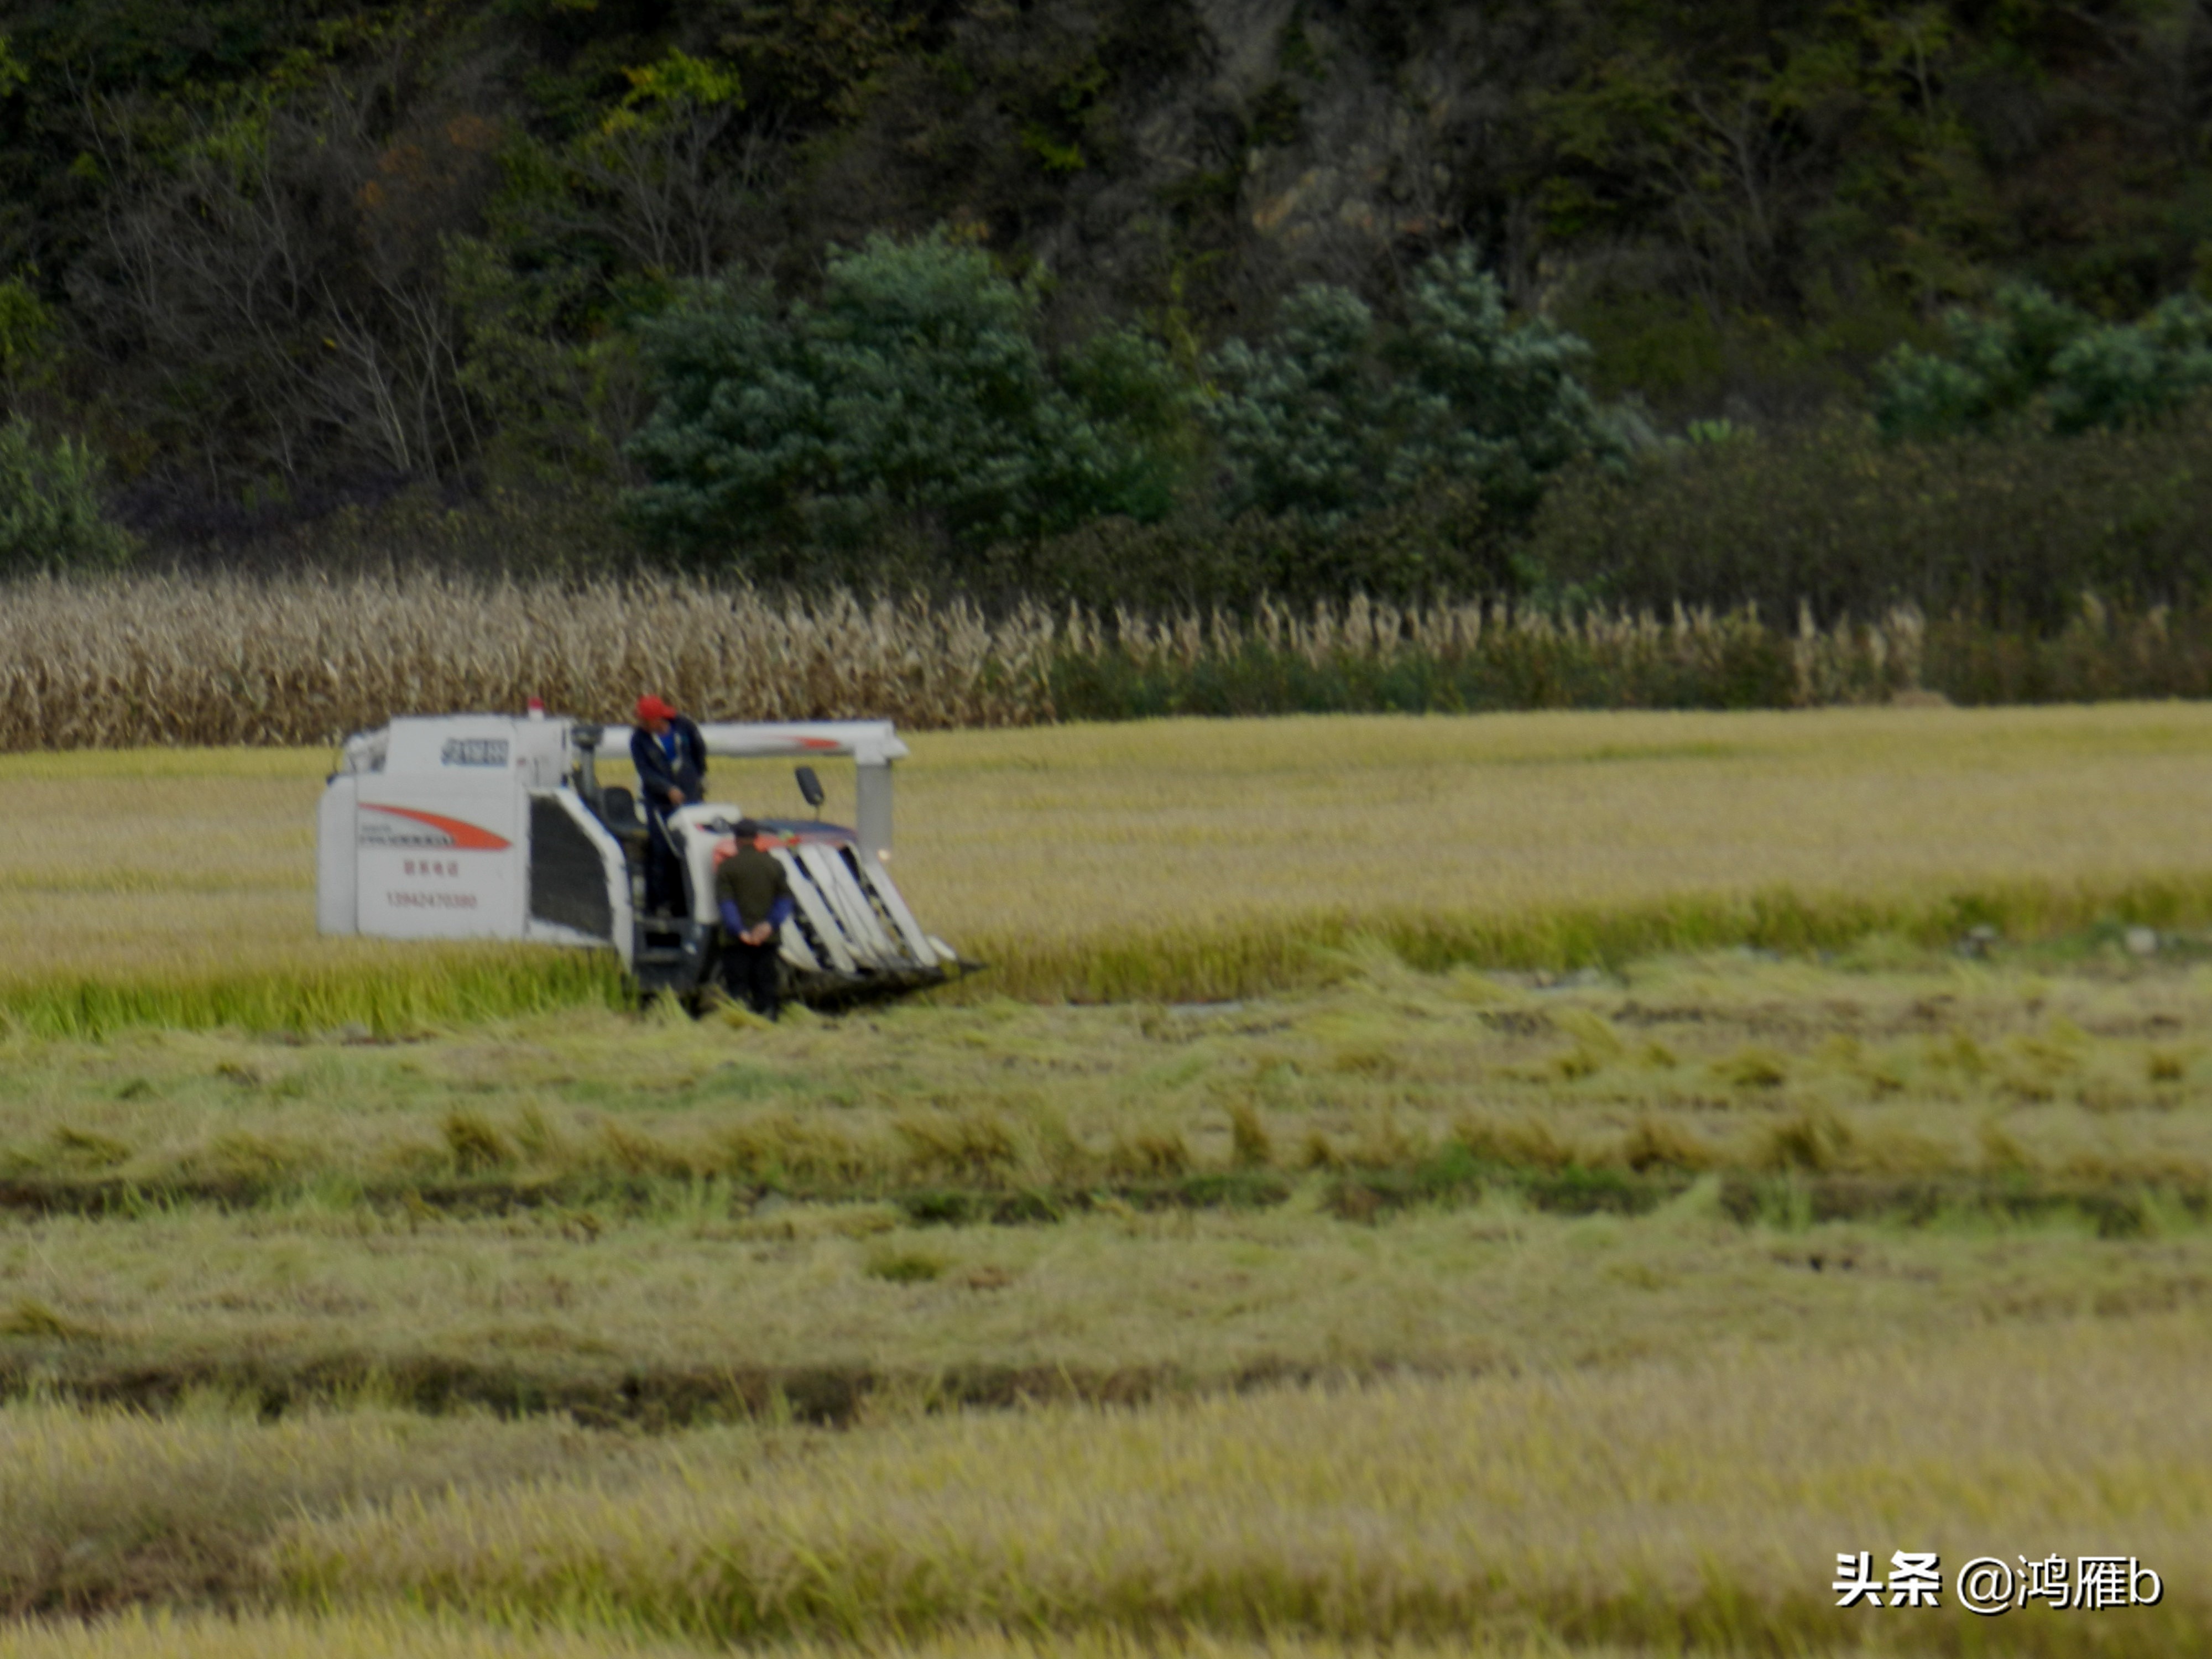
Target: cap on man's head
<point>650,708</point>
<point>746,829</point>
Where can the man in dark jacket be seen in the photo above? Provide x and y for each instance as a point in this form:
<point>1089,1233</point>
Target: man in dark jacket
<point>670,757</point>
<point>753,894</point>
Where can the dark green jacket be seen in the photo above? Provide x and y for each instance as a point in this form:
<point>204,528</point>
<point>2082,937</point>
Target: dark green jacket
<point>755,883</point>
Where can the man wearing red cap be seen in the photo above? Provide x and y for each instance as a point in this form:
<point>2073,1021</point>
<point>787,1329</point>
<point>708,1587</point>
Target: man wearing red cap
<point>670,757</point>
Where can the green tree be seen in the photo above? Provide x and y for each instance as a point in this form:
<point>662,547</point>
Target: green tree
<point>1335,416</point>
<point>28,350</point>
<point>1487,401</point>
<point>2035,360</point>
<point>2120,376</point>
<point>551,378</point>
<point>50,518</point>
<point>912,394</point>
<point>1306,419</point>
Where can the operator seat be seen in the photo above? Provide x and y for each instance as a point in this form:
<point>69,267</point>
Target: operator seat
<point>618,811</point>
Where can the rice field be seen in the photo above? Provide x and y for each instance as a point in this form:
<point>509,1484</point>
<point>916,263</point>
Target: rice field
<point>1188,860</point>
<point>1525,1186</point>
<point>383,1632</point>
<point>1654,1506</point>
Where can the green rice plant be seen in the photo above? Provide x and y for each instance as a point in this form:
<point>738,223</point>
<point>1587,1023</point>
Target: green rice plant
<point>906,1265</point>
<point>1243,958</point>
<point>424,988</point>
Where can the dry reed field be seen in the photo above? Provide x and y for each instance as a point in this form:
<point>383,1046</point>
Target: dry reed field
<point>1183,861</point>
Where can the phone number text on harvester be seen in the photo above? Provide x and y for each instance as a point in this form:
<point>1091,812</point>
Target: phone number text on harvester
<point>431,901</point>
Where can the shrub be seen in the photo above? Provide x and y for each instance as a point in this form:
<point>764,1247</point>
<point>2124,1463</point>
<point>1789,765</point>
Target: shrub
<point>1335,416</point>
<point>50,519</point>
<point>2036,361</point>
<point>2010,530</point>
<point>1440,541</point>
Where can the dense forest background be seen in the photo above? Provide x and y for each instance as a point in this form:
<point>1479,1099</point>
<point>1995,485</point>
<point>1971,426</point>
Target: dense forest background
<point>1595,299</point>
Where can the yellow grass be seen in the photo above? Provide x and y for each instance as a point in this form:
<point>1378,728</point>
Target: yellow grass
<point>1193,858</point>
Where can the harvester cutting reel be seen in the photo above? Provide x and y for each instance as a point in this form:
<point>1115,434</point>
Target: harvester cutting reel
<point>488,826</point>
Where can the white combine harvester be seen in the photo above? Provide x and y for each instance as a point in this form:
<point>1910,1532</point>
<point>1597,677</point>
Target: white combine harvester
<point>487,826</point>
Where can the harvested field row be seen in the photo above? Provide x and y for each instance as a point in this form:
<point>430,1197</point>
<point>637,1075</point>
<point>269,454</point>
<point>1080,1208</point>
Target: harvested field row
<point>1695,1504</point>
<point>648,1220</point>
<point>2011,1082</point>
<point>396,1634</point>
<point>823,1313</point>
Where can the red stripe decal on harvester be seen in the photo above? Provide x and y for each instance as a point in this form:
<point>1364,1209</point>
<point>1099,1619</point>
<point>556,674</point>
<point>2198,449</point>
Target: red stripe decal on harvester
<point>467,836</point>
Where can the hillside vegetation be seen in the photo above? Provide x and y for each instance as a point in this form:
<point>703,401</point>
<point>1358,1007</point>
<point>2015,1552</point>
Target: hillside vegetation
<point>1064,299</point>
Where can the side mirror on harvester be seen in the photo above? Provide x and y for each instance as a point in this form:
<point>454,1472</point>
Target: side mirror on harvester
<point>810,786</point>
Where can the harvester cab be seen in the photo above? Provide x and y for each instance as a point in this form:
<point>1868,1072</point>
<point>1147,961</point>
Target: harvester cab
<point>484,826</point>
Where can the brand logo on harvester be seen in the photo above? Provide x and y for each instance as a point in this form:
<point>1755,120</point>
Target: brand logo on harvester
<point>473,752</point>
<point>402,826</point>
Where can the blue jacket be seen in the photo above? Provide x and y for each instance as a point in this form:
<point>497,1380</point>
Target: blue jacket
<point>657,774</point>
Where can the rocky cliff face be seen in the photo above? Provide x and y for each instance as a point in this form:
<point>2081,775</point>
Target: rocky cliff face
<point>1805,160</point>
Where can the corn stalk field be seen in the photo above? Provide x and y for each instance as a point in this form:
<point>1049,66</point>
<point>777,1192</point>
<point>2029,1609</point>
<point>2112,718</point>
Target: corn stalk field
<point>1529,1185</point>
<point>215,661</point>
